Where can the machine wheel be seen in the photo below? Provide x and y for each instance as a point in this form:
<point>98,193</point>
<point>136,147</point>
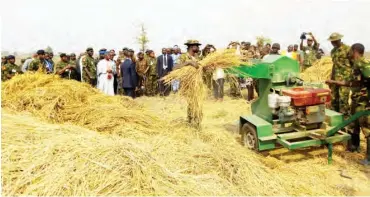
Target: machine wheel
<point>249,136</point>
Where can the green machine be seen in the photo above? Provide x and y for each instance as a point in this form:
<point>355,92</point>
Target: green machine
<point>289,112</point>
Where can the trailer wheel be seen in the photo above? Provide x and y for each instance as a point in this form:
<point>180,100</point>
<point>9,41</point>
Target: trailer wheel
<point>249,136</point>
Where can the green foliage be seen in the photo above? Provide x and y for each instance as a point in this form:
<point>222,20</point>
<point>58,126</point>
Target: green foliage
<point>142,39</point>
<point>261,40</point>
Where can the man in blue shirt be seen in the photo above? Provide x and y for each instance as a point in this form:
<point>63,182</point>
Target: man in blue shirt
<point>175,57</point>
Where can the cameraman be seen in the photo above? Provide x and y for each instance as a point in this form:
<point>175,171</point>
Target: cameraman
<point>309,51</point>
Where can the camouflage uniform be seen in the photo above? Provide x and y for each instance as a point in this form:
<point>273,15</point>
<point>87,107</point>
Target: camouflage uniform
<point>342,71</point>
<point>9,69</point>
<point>89,63</point>
<point>360,102</point>
<point>192,119</point>
<point>38,65</point>
<point>152,81</point>
<point>141,70</point>
<point>309,56</point>
<point>67,74</point>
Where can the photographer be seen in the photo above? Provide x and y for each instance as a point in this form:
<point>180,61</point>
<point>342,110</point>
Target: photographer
<point>309,51</point>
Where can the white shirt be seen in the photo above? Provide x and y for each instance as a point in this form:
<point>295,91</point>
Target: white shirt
<point>218,74</point>
<point>104,84</point>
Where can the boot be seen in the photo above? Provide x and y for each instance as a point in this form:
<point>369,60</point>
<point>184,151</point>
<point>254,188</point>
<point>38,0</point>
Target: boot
<point>366,161</point>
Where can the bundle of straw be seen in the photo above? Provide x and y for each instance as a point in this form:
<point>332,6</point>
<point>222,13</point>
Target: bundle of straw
<point>319,71</point>
<point>192,84</point>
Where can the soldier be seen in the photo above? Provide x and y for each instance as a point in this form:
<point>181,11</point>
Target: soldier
<point>191,59</point>
<point>152,82</point>
<point>89,68</point>
<point>360,98</point>
<point>142,70</point>
<point>341,71</point>
<point>73,59</point>
<point>10,69</point>
<point>65,69</point>
<point>3,61</point>
<point>275,49</point>
<point>38,64</point>
<point>309,51</point>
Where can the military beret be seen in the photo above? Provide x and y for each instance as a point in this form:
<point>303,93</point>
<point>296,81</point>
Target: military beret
<point>192,42</point>
<point>62,55</point>
<point>10,57</point>
<point>276,45</point>
<point>89,49</point>
<point>335,36</point>
<point>40,52</point>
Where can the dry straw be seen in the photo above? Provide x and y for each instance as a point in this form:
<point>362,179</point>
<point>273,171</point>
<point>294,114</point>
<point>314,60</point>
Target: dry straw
<point>319,71</point>
<point>135,152</point>
<point>192,83</point>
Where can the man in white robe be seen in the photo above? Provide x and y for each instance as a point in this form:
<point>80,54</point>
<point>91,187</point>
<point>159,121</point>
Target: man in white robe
<point>105,69</point>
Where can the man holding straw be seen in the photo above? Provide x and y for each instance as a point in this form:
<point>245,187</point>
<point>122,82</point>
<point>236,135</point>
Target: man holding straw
<point>191,58</point>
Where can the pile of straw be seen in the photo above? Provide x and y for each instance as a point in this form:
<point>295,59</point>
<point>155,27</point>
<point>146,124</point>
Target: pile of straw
<point>319,71</point>
<point>192,84</point>
<point>135,152</point>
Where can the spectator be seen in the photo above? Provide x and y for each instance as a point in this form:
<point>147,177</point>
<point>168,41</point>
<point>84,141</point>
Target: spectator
<point>105,75</point>
<point>218,81</point>
<point>175,57</point>
<point>164,66</point>
<point>128,75</point>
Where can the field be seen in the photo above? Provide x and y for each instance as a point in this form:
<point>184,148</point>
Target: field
<point>63,138</point>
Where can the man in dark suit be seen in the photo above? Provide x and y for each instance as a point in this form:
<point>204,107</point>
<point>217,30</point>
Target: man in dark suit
<point>129,77</point>
<point>164,66</point>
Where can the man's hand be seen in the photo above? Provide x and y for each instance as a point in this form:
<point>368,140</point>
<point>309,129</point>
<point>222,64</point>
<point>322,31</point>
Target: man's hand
<point>330,82</point>
<point>194,64</point>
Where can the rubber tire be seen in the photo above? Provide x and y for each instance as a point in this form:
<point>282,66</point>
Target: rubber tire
<point>249,133</point>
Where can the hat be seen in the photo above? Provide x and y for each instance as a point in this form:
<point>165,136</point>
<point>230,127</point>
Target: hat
<point>10,57</point>
<point>192,42</point>
<point>40,52</point>
<point>125,49</point>
<point>72,54</point>
<point>335,36</point>
<point>131,50</point>
<point>248,43</point>
<point>276,45</point>
<point>62,55</point>
<point>89,49</point>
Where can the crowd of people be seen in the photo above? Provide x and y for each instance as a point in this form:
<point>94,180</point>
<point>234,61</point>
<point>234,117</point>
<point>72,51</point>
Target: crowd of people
<point>143,70</point>
<point>137,75</point>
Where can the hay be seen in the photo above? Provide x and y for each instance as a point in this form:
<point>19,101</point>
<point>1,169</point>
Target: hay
<point>319,71</point>
<point>192,84</point>
<point>164,158</point>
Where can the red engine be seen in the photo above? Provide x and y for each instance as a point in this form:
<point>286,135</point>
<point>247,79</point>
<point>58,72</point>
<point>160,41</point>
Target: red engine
<point>306,96</point>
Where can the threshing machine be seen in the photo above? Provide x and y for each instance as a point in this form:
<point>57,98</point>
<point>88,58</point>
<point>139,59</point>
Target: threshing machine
<point>288,111</point>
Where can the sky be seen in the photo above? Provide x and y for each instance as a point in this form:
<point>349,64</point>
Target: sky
<point>74,25</point>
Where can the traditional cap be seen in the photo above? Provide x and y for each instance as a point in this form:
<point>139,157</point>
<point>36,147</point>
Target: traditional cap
<point>192,42</point>
<point>40,52</point>
<point>335,36</point>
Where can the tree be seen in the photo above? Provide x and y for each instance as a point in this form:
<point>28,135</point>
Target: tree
<point>142,39</point>
<point>48,49</point>
<point>261,40</point>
